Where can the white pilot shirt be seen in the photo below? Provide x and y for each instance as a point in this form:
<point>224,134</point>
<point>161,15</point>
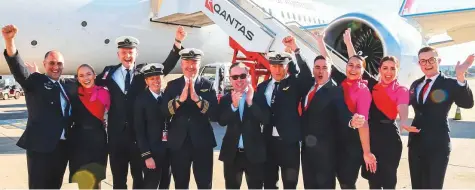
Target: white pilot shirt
<point>433,78</point>
<point>119,77</point>
<point>64,103</point>
<point>268,94</point>
<point>155,94</point>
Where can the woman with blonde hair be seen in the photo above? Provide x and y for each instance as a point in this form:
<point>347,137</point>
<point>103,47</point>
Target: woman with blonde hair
<point>88,137</point>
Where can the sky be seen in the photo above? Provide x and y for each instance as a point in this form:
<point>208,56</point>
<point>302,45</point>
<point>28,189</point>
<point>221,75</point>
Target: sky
<point>451,54</point>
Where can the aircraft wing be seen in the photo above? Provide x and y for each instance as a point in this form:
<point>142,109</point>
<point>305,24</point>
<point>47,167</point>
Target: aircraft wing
<point>459,24</point>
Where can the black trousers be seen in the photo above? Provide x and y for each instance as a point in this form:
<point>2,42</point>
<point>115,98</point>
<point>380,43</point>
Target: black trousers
<point>428,166</point>
<point>202,159</point>
<point>233,172</point>
<point>349,160</point>
<point>46,170</point>
<point>386,145</point>
<point>287,157</point>
<point>121,154</point>
<point>160,176</point>
<point>319,166</point>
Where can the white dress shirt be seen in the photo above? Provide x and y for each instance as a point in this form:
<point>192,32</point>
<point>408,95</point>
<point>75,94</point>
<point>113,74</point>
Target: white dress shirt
<point>64,103</point>
<point>433,78</point>
<point>313,87</point>
<point>155,94</point>
<point>268,94</point>
<point>119,77</point>
<point>240,107</point>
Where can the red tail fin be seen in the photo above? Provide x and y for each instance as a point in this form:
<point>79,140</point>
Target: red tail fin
<point>209,5</point>
<point>407,7</point>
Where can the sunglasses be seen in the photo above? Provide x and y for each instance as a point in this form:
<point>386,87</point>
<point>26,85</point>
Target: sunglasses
<point>431,60</point>
<point>241,76</point>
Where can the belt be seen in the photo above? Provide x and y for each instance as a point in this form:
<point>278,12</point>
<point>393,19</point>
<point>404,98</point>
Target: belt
<point>240,149</point>
<point>383,121</point>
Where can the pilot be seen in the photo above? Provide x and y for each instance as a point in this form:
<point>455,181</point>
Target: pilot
<point>124,84</point>
<point>151,130</point>
<point>49,109</point>
<point>281,95</point>
<point>191,101</point>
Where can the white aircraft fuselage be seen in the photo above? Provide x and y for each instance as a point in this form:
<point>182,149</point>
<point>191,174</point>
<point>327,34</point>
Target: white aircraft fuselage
<point>85,32</point>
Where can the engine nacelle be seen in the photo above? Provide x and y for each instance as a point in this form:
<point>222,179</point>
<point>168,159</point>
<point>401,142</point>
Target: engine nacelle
<point>375,38</point>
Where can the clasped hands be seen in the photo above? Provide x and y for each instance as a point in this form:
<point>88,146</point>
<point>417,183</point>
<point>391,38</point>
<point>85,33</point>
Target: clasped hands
<point>189,88</point>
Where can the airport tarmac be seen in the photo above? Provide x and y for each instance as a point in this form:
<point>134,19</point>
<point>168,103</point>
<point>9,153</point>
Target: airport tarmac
<point>13,173</point>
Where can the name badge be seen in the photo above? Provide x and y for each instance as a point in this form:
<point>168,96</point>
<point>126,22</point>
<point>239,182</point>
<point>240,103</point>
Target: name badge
<point>165,135</point>
<point>105,75</point>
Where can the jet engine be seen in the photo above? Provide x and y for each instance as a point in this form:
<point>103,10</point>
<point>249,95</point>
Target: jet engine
<point>375,38</point>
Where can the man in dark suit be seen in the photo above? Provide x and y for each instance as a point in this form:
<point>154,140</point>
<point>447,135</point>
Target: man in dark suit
<point>323,113</point>
<point>124,84</point>
<point>243,148</point>
<point>281,95</point>
<point>151,130</point>
<point>191,100</point>
<point>49,109</point>
<point>429,136</point>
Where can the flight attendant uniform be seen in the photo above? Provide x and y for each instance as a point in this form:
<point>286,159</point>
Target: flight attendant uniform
<point>350,153</point>
<point>385,141</point>
<point>88,137</point>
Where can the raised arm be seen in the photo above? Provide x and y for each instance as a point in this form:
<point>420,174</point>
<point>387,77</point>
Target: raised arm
<point>349,44</point>
<point>15,63</point>
<point>173,56</point>
<point>291,46</point>
<point>321,44</point>
<point>302,70</point>
<point>351,52</point>
<point>463,94</point>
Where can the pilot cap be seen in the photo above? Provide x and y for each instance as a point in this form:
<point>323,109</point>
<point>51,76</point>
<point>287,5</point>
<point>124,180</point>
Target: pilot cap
<point>282,58</point>
<point>191,53</point>
<point>127,42</point>
<point>152,69</point>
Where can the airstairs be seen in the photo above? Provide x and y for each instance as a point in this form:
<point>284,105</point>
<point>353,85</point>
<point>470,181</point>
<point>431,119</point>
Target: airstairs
<point>252,31</point>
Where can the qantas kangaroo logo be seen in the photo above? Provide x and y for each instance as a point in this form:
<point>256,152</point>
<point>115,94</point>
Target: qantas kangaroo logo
<point>209,5</point>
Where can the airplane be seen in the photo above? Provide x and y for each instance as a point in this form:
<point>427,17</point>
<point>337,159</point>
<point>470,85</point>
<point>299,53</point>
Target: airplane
<point>85,30</point>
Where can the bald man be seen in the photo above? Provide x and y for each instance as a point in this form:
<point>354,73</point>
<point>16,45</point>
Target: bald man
<point>47,101</point>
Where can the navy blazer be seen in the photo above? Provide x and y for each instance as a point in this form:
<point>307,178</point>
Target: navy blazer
<point>431,117</point>
<point>45,117</point>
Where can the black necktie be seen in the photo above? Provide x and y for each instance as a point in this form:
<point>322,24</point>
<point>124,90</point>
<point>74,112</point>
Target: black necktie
<point>274,92</point>
<point>159,99</point>
<point>127,81</point>
<point>423,91</point>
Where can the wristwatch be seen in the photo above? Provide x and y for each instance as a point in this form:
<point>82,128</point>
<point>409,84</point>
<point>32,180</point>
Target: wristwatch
<point>297,51</point>
<point>177,99</point>
<point>199,99</point>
